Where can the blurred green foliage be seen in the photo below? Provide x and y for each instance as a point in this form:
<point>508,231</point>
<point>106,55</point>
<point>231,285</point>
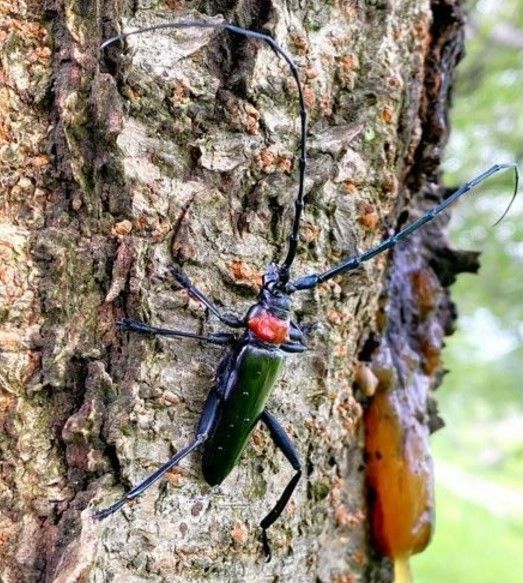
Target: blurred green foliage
<point>472,545</point>
<point>481,398</point>
<point>485,354</point>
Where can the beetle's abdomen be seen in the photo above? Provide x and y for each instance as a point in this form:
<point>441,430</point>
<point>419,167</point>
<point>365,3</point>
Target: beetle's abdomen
<point>257,371</point>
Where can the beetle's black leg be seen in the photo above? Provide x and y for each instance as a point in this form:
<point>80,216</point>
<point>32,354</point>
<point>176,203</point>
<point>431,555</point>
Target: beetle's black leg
<point>300,333</point>
<point>283,441</point>
<point>296,333</point>
<point>312,280</point>
<point>222,338</point>
<point>293,347</point>
<point>297,336</point>
<point>205,425</point>
<point>228,319</point>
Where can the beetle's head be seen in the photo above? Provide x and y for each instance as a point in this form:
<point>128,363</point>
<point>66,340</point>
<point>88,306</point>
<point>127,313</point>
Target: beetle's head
<point>272,296</point>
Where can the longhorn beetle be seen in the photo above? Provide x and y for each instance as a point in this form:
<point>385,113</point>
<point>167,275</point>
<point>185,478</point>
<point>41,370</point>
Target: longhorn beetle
<point>248,372</point>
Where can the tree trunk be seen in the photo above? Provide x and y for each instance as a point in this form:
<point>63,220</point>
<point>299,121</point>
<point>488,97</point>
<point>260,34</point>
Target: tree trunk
<point>183,149</point>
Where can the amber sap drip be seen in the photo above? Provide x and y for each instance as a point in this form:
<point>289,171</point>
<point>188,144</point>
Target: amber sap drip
<point>399,477</point>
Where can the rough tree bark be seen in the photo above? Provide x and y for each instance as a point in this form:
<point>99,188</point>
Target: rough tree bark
<point>182,149</point>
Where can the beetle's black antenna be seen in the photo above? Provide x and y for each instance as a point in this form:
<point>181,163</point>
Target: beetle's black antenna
<point>314,279</point>
<point>294,237</point>
<point>514,194</point>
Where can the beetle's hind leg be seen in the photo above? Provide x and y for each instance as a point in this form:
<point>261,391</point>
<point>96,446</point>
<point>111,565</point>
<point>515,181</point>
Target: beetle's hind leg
<point>205,424</point>
<point>283,442</point>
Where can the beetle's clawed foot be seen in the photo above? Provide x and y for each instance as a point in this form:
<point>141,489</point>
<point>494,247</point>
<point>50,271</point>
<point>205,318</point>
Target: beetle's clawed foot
<point>124,325</point>
<point>308,328</point>
<point>101,514</point>
<point>180,276</point>
<point>266,546</point>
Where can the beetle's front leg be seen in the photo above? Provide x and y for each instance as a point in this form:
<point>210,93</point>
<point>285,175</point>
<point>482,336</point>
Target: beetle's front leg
<point>293,347</point>
<point>300,333</point>
<point>229,319</point>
